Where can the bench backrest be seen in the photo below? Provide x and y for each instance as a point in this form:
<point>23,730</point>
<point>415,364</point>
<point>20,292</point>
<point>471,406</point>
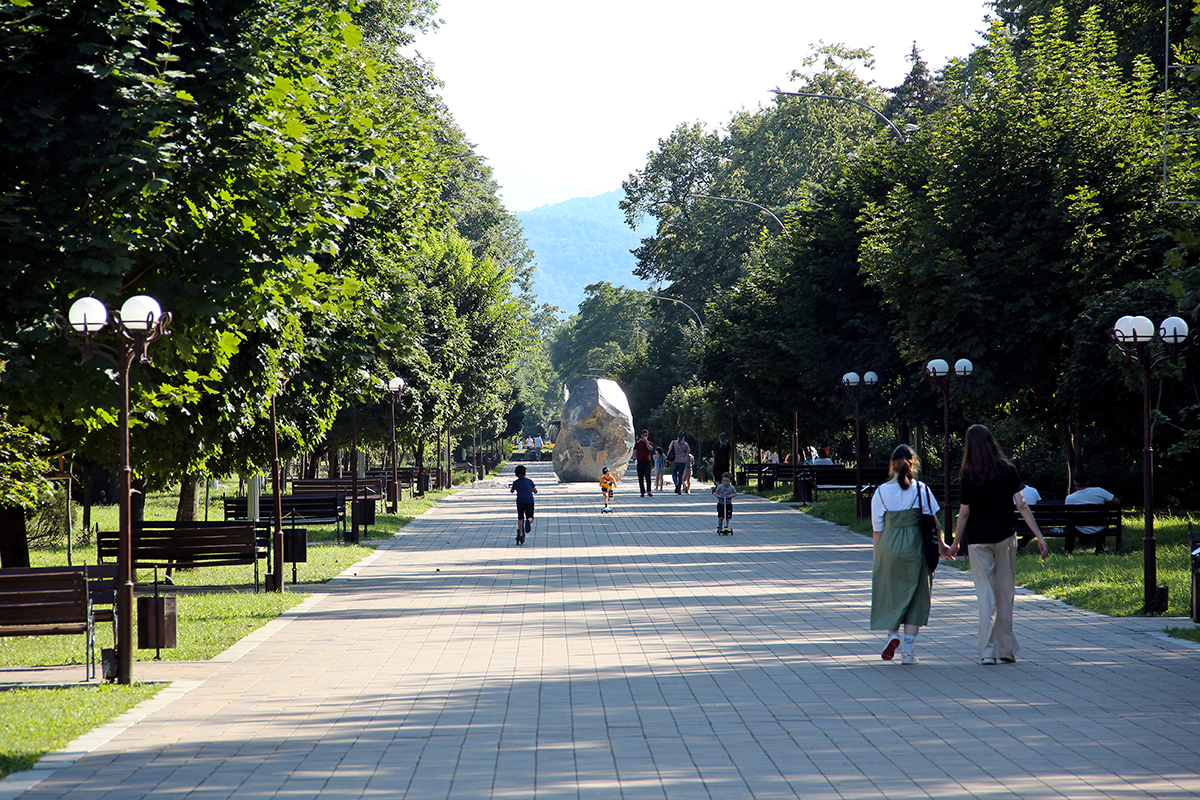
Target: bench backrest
<point>307,507</point>
<point>215,544</point>
<point>367,487</point>
<point>1061,515</point>
<point>43,597</point>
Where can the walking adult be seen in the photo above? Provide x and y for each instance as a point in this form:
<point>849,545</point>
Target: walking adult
<point>720,453</point>
<point>901,581</point>
<point>538,444</point>
<point>643,449</point>
<point>677,455</point>
<point>990,486</point>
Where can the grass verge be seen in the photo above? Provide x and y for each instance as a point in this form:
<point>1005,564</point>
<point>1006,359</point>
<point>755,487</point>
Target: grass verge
<point>34,722</point>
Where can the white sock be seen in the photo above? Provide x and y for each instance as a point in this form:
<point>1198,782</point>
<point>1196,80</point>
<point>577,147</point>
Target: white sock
<point>910,639</point>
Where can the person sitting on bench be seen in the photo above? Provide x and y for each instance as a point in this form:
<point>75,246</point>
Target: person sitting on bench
<point>1088,495</point>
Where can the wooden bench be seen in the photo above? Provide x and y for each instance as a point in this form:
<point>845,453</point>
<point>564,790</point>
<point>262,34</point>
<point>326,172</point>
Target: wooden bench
<point>1060,519</point>
<point>368,488</point>
<point>831,477</point>
<point>309,509</point>
<point>203,545</point>
<point>48,601</point>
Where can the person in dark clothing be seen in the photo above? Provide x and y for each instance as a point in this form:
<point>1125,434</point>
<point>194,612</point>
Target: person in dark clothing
<point>720,453</point>
<point>643,449</point>
<point>991,486</point>
<point>525,490</point>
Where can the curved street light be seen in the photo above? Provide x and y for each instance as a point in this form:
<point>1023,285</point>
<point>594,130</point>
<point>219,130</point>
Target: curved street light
<point>891,126</point>
<point>763,209</point>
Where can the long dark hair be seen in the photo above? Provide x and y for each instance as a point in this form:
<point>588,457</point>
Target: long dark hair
<point>982,458</point>
<point>904,466</point>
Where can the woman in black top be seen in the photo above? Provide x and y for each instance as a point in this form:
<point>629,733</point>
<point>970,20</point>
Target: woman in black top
<point>990,485</point>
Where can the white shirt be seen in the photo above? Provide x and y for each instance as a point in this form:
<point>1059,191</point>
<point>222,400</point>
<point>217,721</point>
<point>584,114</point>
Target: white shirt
<point>1089,495</point>
<point>890,497</point>
<point>537,442</point>
<point>1032,496</point>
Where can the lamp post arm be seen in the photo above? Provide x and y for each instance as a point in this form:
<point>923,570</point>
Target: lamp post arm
<point>673,300</point>
<point>763,209</point>
<point>875,111</point>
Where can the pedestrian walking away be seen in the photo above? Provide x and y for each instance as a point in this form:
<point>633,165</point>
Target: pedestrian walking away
<point>990,486</point>
<point>525,490</point>
<point>901,580</point>
<point>725,492</point>
<point>643,449</point>
<point>607,484</point>
<point>678,454</point>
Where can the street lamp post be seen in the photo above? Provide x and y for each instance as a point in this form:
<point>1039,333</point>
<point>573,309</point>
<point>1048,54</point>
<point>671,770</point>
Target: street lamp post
<point>395,387</point>
<point>140,321</point>
<point>937,372</point>
<point>891,126</point>
<point>858,389</point>
<point>1133,337</point>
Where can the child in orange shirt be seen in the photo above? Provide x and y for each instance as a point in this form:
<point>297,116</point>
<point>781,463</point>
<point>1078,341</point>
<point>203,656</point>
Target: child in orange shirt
<point>607,484</point>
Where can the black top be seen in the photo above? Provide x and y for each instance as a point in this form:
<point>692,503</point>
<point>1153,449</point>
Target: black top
<point>991,503</point>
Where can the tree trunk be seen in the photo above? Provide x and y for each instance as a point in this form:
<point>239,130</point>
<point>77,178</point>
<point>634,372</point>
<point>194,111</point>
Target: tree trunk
<point>14,543</point>
<point>189,498</point>
<point>334,465</point>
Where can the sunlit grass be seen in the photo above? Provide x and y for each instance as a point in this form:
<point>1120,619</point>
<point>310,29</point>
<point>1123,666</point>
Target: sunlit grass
<point>34,722</point>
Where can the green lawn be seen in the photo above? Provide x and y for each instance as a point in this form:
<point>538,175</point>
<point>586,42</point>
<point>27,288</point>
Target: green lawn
<point>34,722</point>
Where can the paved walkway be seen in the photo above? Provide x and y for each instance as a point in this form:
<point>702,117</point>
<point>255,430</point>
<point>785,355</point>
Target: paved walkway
<point>638,655</point>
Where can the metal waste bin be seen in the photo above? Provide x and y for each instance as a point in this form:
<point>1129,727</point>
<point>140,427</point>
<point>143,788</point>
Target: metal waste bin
<point>156,623</point>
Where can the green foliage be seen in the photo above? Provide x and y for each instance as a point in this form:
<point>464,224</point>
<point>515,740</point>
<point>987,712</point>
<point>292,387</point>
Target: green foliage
<point>23,466</point>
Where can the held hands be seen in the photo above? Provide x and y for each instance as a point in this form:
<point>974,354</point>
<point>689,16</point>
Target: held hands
<point>952,550</point>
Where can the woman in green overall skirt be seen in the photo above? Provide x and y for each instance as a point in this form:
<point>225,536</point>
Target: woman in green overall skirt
<point>901,582</point>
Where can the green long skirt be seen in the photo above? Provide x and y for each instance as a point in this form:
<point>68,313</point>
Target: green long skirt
<point>901,583</point>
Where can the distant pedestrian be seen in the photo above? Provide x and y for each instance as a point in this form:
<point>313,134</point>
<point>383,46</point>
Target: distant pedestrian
<point>990,486</point>
<point>687,474</point>
<point>525,490</point>
<point>538,444</point>
<point>660,467</point>
<point>720,453</point>
<point>678,454</point>
<point>643,450</point>
<point>901,581</point>
<point>607,486</point>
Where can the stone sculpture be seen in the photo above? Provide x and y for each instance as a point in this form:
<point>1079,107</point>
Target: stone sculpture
<point>596,432</point>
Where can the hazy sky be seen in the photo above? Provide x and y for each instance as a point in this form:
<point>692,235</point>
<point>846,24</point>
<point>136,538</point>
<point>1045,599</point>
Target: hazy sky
<point>565,99</point>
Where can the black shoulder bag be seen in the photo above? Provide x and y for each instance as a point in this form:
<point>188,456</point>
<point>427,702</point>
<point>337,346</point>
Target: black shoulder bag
<point>931,533</point>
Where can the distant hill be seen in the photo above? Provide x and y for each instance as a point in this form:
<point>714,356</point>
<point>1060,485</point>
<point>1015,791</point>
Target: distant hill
<point>578,242</point>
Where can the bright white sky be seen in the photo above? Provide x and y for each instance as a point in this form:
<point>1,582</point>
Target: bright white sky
<point>565,98</point>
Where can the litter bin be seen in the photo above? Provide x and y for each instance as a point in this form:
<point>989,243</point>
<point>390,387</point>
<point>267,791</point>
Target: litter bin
<point>766,481</point>
<point>156,623</point>
<point>295,545</point>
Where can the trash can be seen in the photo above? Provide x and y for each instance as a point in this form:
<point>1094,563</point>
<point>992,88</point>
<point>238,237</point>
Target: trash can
<point>156,623</point>
<point>766,481</point>
<point>295,545</point>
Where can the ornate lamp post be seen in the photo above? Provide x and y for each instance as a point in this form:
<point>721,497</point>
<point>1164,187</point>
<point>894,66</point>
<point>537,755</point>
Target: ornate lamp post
<point>395,387</point>
<point>1133,337</point>
<point>937,372</point>
<point>858,389</point>
<point>140,322</point>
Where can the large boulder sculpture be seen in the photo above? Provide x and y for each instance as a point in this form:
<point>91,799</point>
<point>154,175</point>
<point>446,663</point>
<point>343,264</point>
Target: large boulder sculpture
<point>596,432</point>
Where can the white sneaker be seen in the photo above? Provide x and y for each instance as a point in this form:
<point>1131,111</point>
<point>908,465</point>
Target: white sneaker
<point>909,658</point>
